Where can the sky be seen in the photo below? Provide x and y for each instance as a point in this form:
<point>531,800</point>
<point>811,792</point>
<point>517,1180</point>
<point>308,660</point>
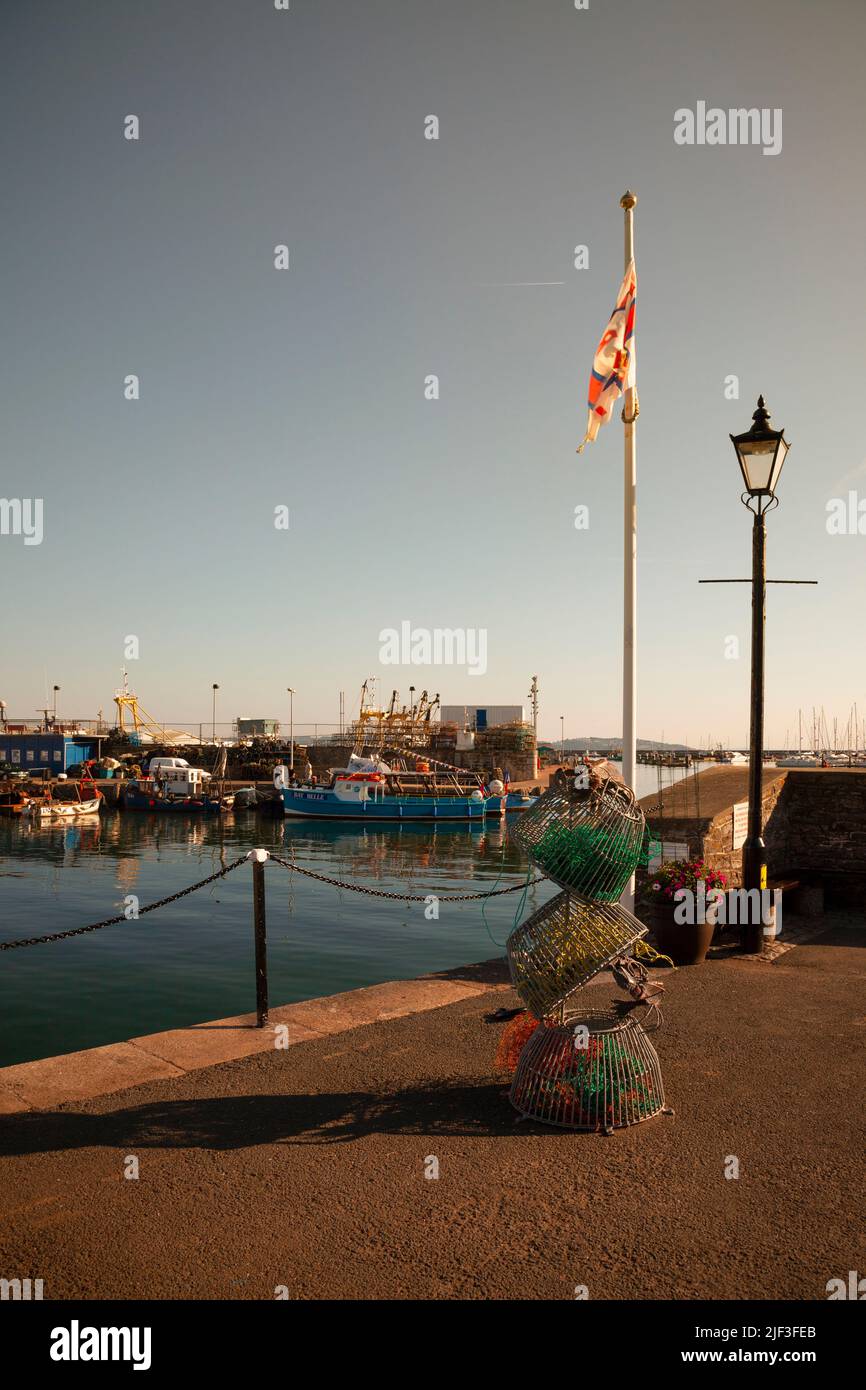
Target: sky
<point>304,388</point>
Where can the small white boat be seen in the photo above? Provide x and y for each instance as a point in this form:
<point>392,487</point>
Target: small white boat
<point>799,760</point>
<point>67,806</point>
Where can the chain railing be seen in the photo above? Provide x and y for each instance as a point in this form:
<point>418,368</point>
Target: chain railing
<point>403,897</point>
<point>258,858</point>
<point>123,917</point>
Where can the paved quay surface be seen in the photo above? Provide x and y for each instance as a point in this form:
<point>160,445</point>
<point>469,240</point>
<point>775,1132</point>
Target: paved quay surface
<point>304,1167</point>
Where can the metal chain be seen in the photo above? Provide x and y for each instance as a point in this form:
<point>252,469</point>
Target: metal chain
<point>111,921</point>
<point>404,897</point>
<point>286,864</point>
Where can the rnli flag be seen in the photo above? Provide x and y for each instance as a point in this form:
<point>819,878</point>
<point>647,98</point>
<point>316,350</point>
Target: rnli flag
<point>613,368</point>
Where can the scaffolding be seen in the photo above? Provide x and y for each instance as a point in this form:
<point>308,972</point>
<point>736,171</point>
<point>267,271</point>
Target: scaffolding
<point>398,725</point>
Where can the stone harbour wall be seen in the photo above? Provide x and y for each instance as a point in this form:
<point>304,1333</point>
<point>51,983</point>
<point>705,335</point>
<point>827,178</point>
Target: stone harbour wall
<point>814,830</point>
<point>824,826</point>
<point>718,841</point>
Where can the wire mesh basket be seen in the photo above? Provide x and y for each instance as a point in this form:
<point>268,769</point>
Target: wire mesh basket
<point>564,944</point>
<point>597,1071</point>
<point>589,841</point>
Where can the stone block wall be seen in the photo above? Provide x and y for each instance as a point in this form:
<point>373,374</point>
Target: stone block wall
<point>711,838</point>
<point>718,839</point>
<point>825,832</point>
<point>814,828</point>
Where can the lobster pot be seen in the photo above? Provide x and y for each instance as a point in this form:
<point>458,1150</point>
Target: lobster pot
<point>598,1071</point>
<point>587,841</point>
<point>563,945</point>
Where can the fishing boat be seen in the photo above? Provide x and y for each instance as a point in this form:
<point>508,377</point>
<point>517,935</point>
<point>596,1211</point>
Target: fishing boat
<point>184,789</point>
<point>367,790</point>
<point>71,801</point>
<point>172,785</point>
<point>141,796</point>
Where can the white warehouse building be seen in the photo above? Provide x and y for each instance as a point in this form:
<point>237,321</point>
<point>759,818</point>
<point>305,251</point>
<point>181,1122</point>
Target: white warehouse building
<point>482,716</point>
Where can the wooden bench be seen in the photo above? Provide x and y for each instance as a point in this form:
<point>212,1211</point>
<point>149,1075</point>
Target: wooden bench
<point>804,895</point>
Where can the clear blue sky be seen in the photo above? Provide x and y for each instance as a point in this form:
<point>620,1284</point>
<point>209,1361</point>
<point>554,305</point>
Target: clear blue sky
<point>305,387</point>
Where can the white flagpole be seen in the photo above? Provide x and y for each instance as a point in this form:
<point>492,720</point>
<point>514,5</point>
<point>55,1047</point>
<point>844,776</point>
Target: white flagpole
<point>629,672</point>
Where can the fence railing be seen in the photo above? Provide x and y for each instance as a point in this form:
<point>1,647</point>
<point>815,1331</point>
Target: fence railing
<point>258,858</point>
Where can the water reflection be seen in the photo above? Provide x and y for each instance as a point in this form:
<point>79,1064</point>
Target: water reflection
<point>406,853</point>
<point>192,960</point>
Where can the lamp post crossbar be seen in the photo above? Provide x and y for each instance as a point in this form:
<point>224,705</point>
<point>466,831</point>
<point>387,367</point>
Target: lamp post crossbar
<point>766,581</point>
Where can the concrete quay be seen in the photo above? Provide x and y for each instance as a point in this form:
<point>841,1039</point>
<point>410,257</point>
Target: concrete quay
<point>305,1167</point>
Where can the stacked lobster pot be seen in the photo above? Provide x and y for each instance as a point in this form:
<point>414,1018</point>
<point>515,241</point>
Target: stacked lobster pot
<point>584,1068</point>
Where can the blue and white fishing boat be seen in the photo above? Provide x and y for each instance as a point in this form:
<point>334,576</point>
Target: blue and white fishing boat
<point>368,790</point>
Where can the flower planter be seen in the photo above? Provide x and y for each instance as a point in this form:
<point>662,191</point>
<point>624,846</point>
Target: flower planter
<point>686,943</point>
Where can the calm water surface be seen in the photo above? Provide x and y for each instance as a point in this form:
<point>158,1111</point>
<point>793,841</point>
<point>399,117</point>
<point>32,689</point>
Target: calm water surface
<point>193,960</point>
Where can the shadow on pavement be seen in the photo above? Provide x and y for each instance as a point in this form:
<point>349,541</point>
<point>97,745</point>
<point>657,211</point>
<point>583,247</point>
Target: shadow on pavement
<point>238,1122</point>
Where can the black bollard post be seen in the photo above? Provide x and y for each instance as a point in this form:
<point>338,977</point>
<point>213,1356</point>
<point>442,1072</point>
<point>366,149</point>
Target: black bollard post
<point>259,857</point>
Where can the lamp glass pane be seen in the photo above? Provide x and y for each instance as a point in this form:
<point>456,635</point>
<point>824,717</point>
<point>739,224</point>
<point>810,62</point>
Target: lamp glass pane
<point>780,459</point>
<point>757,460</point>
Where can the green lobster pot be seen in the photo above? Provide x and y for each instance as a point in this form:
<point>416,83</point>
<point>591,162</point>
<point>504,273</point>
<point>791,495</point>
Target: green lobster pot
<point>563,945</point>
<point>587,841</point>
<point>595,1071</point>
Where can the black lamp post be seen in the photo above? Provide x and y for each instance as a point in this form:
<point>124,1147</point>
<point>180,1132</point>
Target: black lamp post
<point>761,453</point>
<point>214,688</point>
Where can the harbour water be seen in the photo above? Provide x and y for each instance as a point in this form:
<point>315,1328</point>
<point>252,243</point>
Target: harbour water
<point>193,959</point>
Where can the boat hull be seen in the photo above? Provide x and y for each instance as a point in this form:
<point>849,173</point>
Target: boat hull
<point>134,799</point>
<point>324,805</point>
<point>65,810</point>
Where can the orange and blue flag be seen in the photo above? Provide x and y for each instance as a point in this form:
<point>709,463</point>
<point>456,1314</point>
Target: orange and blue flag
<point>613,371</point>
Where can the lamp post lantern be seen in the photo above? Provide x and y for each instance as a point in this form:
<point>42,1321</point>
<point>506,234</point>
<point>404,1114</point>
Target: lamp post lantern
<point>761,453</point>
<point>215,688</point>
<point>290,692</point>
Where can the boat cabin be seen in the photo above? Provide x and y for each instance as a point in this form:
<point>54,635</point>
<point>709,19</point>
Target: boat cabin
<point>179,781</point>
<point>355,787</point>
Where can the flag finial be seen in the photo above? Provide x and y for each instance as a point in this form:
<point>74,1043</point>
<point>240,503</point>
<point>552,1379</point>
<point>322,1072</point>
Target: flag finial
<point>628,199</point>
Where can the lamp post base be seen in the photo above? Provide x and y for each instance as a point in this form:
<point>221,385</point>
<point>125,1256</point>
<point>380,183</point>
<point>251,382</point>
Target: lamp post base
<point>754,876</point>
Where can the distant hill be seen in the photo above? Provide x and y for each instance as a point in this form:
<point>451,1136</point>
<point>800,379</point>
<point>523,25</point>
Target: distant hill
<point>577,745</point>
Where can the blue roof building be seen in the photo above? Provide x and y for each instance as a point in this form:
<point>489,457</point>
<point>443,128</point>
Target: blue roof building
<point>55,751</point>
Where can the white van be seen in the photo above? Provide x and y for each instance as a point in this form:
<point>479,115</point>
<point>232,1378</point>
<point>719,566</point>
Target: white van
<point>158,764</point>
